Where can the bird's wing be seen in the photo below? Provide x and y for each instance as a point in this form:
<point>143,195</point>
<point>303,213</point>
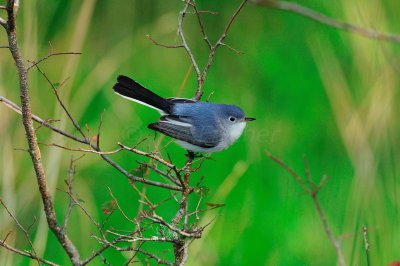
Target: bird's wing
<point>179,127</point>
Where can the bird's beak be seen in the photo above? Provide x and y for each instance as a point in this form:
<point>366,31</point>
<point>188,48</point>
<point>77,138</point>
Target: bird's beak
<point>248,119</point>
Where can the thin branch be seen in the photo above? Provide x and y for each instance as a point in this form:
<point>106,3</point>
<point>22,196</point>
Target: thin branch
<point>55,90</point>
<point>81,150</point>
<point>41,121</point>
<point>77,203</point>
<point>334,241</point>
<point>184,43</point>
<point>203,31</point>
<point>130,248</point>
<point>33,64</point>
<point>213,48</point>
<point>161,173</point>
<point>101,250</point>
<point>119,207</point>
<point>131,239</point>
<point>25,231</point>
<point>136,178</point>
<point>228,26</point>
<point>95,254</point>
<point>148,36</point>
<point>71,172</point>
<point>323,19</point>
<point>313,192</point>
<point>154,257</point>
<point>99,129</point>
<point>147,154</point>
<point>233,49</point>
<point>148,254</point>
<point>25,254</point>
<point>290,171</point>
<point>366,244</point>
<point>160,220</point>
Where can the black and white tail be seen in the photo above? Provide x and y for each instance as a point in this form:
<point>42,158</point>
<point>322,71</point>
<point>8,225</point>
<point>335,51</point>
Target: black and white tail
<point>133,91</point>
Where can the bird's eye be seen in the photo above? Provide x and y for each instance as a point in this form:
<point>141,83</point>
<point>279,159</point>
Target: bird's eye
<point>231,118</point>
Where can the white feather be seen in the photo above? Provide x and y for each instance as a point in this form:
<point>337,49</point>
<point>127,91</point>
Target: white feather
<point>143,103</point>
<point>233,133</point>
<point>177,123</point>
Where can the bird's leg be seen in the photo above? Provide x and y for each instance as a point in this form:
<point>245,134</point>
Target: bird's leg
<point>191,155</point>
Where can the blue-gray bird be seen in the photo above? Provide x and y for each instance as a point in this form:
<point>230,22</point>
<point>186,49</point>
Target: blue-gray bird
<point>197,126</point>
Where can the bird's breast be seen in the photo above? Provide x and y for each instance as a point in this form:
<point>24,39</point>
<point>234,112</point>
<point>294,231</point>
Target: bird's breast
<point>235,131</point>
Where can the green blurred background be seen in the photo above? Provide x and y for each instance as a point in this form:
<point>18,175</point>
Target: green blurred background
<point>315,91</point>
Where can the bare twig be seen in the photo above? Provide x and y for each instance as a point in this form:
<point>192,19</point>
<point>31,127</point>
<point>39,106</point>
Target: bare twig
<point>119,207</point>
<point>203,31</point>
<point>184,43</point>
<point>201,75</point>
<point>81,149</point>
<point>61,102</point>
<point>33,64</point>
<point>122,238</point>
<point>138,179</point>
<point>158,219</point>
<point>334,241</point>
<point>148,36</point>
<point>101,250</point>
<point>323,19</point>
<point>366,244</point>
<point>147,154</point>
<point>86,212</point>
<point>141,239</point>
<point>233,49</point>
<point>25,231</point>
<point>71,172</point>
<point>290,171</point>
<point>99,129</point>
<point>161,173</point>
<point>25,254</point>
<point>181,246</point>
<point>213,49</point>
<point>41,121</point>
<point>313,192</point>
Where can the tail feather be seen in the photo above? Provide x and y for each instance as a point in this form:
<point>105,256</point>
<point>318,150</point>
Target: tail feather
<point>132,90</point>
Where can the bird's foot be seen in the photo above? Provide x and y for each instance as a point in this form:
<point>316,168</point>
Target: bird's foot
<point>192,155</point>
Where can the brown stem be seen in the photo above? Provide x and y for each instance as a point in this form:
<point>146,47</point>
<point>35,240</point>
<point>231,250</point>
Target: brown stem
<point>180,246</point>
<point>25,254</point>
<point>213,48</point>
<point>34,150</point>
<point>334,241</point>
<point>313,193</point>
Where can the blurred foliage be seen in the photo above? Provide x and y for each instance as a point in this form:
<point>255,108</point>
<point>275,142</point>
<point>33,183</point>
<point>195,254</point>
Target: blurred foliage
<point>314,90</point>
